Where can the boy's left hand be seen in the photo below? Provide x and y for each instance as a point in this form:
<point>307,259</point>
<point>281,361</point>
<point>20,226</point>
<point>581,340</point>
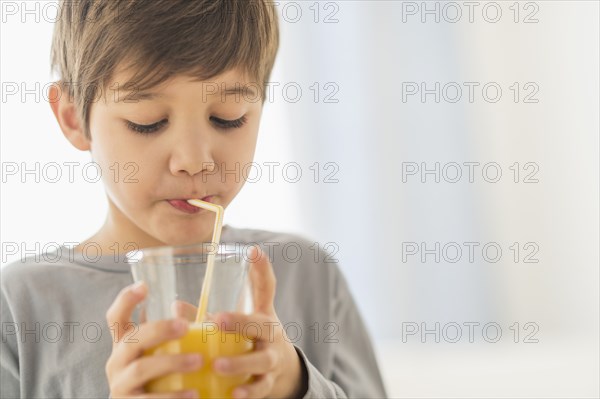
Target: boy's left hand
<point>274,362</point>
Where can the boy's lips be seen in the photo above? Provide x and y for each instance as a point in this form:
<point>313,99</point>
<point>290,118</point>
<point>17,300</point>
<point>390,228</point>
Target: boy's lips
<point>183,206</point>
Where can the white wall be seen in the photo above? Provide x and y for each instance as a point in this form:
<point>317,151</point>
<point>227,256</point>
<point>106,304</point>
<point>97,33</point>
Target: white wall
<point>370,133</point>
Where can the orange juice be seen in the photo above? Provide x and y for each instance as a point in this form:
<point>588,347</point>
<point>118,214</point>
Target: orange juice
<point>207,339</point>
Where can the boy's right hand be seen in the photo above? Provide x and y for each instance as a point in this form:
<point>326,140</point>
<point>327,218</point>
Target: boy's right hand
<point>127,369</point>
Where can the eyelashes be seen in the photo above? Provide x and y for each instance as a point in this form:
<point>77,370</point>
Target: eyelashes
<point>146,129</point>
<point>218,122</point>
<point>227,124</point>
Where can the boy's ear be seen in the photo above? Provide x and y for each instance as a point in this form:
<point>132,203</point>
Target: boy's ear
<point>66,114</point>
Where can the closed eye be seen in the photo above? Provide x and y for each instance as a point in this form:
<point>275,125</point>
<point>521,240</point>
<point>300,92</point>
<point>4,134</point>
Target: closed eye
<point>146,129</point>
<point>227,124</point>
<point>220,123</point>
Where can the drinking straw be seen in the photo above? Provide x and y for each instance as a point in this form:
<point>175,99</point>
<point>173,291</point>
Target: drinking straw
<point>210,263</point>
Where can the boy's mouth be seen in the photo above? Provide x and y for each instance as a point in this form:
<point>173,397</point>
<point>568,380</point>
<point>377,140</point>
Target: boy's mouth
<point>183,206</point>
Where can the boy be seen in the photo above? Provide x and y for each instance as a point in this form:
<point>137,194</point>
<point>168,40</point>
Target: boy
<point>172,91</point>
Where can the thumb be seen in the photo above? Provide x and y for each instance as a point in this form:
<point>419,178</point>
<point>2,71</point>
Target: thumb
<point>263,281</point>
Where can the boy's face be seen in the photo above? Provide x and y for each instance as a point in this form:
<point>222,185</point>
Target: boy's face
<point>192,151</point>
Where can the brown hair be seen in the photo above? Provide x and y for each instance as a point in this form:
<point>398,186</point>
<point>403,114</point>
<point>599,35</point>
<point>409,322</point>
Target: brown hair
<point>158,39</point>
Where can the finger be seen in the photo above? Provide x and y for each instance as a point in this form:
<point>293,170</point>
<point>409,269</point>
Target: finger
<point>255,326</point>
<point>166,395</point>
<point>147,368</point>
<point>119,313</point>
<point>187,311</point>
<point>257,362</point>
<point>148,336</point>
<point>184,310</point>
<point>263,281</point>
<point>259,388</point>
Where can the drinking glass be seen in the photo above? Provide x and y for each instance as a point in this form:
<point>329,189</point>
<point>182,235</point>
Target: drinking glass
<point>174,277</point>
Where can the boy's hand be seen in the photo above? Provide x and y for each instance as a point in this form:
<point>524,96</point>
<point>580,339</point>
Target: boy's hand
<point>274,363</point>
<point>126,369</point>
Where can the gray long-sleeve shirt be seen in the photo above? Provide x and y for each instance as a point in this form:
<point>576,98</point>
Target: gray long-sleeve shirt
<point>56,341</point>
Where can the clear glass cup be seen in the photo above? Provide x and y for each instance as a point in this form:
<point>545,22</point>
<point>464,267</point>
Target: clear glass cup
<point>174,277</point>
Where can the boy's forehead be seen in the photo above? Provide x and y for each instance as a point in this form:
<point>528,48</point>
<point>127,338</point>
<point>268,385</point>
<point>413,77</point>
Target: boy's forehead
<point>231,81</point>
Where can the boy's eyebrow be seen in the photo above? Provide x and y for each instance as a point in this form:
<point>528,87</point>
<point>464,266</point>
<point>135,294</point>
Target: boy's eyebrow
<point>135,95</point>
<point>236,89</point>
<point>240,90</point>
<point>141,95</point>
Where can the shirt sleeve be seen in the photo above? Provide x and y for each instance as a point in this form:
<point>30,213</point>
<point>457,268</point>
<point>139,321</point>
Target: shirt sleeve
<point>355,371</point>
<point>9,364</point>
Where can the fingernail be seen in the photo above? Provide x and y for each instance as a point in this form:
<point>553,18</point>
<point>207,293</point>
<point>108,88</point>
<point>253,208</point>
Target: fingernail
<point>193,360</point>
<point>221,364</point>
<point>190,394</point>
<point>138,288</point>
<point>223,320</point>
<point>179,325</point>
<point>240,393</point>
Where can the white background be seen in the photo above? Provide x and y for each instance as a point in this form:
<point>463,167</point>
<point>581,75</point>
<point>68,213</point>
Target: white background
<point>370,133</point>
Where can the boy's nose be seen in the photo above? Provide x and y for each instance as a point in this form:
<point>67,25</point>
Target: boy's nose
<point>191,157</point>
<point>191,165</point>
